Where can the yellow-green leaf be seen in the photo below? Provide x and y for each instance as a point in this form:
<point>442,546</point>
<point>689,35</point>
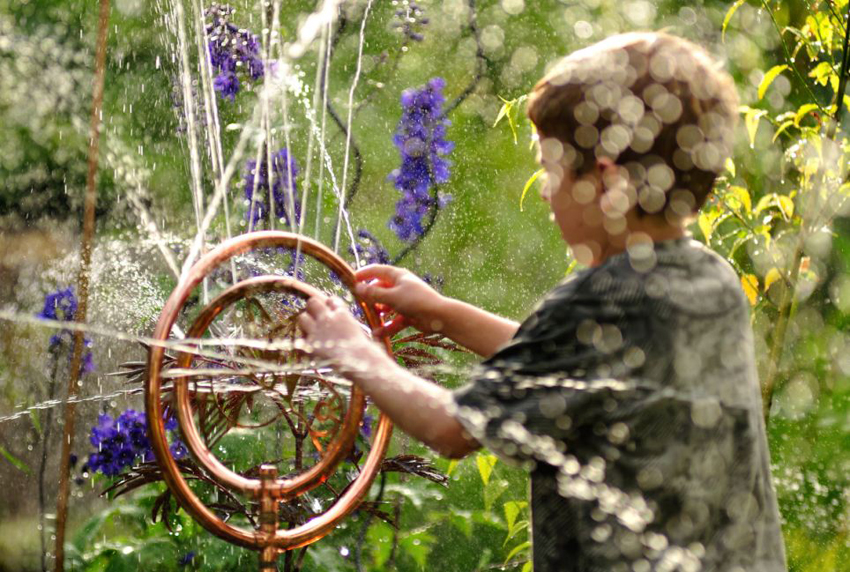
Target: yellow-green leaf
<point>750,284</point>
<point>485,464</point>
<point>764,202</point>
<point>730,166</point>
<point>769,77</point>
<point>742,196</point>
<point>782,128</point>
<point>751,121</point>
<point>512,510</point>
<point>517,549</point>
<point>728,18</point>
<point>706,224</point>
<point>786,205</point>
<point>528,184</point>
<point>528,567</point>
<point>772,276</point>
<point>17,463</point>
<point>822,72</point>
<point>803,111</point>
<point>503,112</point>
<point>452,466</point>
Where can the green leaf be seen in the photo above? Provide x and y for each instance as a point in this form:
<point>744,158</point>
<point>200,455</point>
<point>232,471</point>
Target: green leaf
<point>528,567</point>
<point>528,184</point>
<point>728,18</point>
<point>485,464</point>
<point>751,121</point>
<point>750,284</point>
<point>18,464</point>
<point>730,166</point>
<point>706,224</point>
<point>517,549</point>
<point>771,75</point>
<point>822,73</point>
<point>493,491</point>
<point>36,422</point>
<point>503,112</point>
<point>786,205</point>
<point>782,128</point>
<point>512,510</point>
<point>742,197</point>
<point>418,546</point>
<point>803,111</point>
<point>452,466</point>
<point>772,276</point>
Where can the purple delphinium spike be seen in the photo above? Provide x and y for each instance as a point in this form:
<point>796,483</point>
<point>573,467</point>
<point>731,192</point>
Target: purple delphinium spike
<point>62,306</point>
<point>410,21</point>
<point>369,249</point>
<point>232,50</point>
<point>421,140</point>
<point>283,191</point>
<point>122,441</point>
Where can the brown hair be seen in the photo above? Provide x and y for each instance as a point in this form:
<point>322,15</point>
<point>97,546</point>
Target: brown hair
<point>656,104</point>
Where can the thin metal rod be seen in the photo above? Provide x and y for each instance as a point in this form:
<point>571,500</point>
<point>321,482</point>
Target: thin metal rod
<point>83,281</point>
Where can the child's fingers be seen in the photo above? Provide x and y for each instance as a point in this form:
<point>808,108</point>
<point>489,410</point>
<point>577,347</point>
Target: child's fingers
<point>317,305</point>
<point>375,294</point>
<point>306,323</point>
<point>391,328</point>
<point>382,272</point>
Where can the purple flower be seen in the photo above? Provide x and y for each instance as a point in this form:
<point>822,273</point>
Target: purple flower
<point>227,84</point>
<point>186,559</point>
<point>410,21</point>
<point>369,249</point>
<point>421,140</point>
<point>366,426</point>
<point>120,442</point>
<point>231,50</point>
<point>282,194</point>
<point>62,305</point>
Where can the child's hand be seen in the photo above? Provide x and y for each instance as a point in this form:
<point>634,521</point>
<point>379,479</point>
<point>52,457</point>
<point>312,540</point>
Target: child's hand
<point>393,289</point>
<point>333,332</point>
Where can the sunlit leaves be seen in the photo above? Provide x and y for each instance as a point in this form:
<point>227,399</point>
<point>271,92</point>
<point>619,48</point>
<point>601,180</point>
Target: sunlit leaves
<point>750,284</point>
<point>751,121</point>
<point>485,464</point>
<point>771,75</point>
<point>772,276</point>
<point>728,18</point>
<point>510,111</point>
<point>783,203</point>
<point>803,111</point>
<point>528,185</point>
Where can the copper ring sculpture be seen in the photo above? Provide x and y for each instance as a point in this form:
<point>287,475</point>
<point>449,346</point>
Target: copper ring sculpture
<point>268,490</point>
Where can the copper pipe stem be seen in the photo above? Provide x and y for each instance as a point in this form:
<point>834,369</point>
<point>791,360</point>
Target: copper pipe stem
<point>83,283</point>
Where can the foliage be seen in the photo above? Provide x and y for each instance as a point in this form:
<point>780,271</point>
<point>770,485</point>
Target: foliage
<point>776,216</point>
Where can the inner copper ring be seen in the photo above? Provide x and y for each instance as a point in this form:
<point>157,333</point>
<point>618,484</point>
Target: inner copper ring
<point>283,487</point>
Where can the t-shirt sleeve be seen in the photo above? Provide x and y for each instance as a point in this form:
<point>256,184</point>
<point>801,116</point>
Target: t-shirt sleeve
<point>573,363</point>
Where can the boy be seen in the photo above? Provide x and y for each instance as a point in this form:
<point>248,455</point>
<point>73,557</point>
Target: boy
<point>630,392</point>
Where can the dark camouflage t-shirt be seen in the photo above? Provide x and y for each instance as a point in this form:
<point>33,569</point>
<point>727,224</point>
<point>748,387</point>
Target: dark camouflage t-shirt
<point>632,395</point>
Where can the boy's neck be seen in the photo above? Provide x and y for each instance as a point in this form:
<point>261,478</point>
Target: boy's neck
<point>640,229</point>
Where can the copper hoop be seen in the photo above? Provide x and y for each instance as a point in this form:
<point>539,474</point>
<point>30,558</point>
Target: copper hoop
<point>267,489</point>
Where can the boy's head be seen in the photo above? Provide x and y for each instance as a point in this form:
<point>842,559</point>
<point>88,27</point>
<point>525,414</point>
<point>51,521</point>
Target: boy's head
<point>650,111</point>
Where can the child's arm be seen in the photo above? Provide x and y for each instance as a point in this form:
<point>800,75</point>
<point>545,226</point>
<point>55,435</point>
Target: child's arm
<point>418,305</point>
<point>420,408</point>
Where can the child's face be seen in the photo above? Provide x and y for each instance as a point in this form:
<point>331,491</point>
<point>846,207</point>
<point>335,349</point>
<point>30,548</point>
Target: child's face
<point>575,205</point>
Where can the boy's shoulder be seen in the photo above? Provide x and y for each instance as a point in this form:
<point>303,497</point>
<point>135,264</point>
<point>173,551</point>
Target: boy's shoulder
<point>681,274</point>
